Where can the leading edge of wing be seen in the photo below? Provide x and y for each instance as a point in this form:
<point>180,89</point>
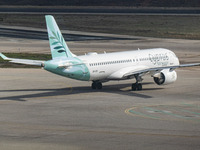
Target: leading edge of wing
<point>159,69</point>
<point>188,65</point>
<point>23,61</point>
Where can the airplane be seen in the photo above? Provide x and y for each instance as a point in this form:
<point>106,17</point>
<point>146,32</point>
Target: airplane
<point>160,63</point>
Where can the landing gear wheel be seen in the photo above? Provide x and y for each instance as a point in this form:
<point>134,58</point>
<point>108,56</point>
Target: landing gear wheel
<point>96,85</point>
<point>139,86</point>
<point>99,85</point>
<point>136,87</point>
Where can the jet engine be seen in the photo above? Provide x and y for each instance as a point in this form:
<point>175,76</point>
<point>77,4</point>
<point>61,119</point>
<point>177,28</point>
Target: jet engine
<point>165,77</point>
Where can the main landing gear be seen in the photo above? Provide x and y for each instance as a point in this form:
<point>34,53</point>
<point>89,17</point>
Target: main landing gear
<point>96,85</point>
<point>137,86</point>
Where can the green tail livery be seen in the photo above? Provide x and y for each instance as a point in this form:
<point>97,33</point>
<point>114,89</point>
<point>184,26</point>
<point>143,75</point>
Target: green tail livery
<point>68,65</point>
<point>57,43</point>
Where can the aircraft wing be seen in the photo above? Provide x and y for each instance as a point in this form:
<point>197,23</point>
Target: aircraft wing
<point>156,69</point>
<point>189,65</point>
<point>23,61</point>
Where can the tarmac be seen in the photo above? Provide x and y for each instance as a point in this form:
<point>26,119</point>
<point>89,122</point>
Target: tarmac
<point>40,110</point>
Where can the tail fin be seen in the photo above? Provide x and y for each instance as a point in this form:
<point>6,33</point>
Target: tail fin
<point>57,43</point>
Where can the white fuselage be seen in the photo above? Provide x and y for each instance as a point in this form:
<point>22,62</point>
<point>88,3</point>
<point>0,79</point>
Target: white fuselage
<point>112,66</point>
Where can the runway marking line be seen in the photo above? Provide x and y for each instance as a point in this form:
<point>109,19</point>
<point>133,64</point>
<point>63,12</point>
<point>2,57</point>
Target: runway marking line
<point>130,111</point>
<point>134,112</point>
<point>165,112</point>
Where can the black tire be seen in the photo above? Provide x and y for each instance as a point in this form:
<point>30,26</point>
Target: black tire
<point>99,85</point>
<point>94,85</point>
<point>134,87</point>
<point>139,87</point>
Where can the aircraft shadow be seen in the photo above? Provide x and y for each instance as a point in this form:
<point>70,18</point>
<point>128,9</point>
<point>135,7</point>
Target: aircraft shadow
<point>115,89</point>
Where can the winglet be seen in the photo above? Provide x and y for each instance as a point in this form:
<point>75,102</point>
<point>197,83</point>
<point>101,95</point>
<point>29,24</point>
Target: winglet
<point>4,57</point>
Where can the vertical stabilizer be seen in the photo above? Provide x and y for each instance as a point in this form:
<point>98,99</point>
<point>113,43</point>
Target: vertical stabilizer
<point>57,43</point>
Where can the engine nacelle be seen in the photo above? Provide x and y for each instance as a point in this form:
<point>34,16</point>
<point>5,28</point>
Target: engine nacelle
<point>166,77</point>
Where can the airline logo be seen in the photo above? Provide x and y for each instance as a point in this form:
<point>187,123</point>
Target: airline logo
<point>159,59</point>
